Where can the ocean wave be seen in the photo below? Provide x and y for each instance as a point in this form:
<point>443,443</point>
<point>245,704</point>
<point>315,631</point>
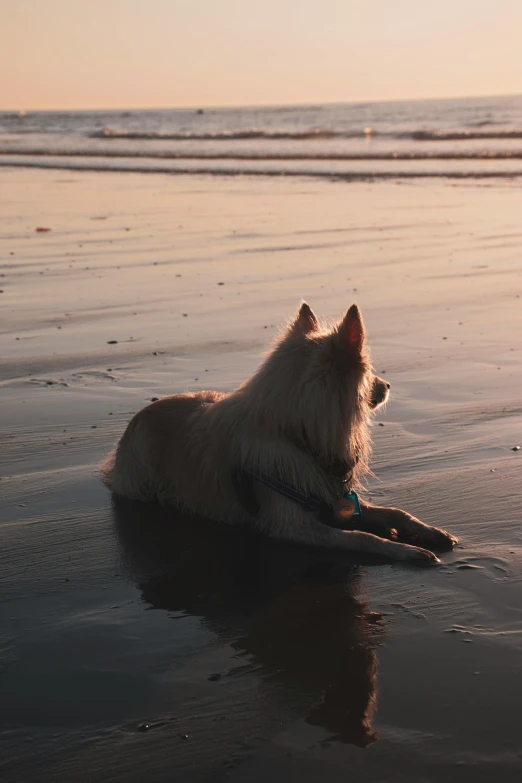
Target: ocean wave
<point>253,133</point>
<point>331,175</point>
<point>110,134</point>
<point>462,135</point>
<point>268,156</point>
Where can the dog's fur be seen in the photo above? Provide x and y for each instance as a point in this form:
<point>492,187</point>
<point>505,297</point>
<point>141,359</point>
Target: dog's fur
<point>307,406</point>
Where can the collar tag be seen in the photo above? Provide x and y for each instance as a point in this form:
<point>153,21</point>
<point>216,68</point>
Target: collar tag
<point>352,496</point>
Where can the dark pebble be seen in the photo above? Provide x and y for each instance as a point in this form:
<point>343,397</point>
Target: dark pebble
<point>214,677</point>
<point>111,342</point>
<point>154,399</point>
<point>515,448</point>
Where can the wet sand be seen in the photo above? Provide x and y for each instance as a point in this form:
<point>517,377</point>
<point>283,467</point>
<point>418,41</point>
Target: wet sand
<point>139,645</point>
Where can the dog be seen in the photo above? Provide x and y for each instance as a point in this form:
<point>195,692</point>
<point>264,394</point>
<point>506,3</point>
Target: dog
<point>282,452</point>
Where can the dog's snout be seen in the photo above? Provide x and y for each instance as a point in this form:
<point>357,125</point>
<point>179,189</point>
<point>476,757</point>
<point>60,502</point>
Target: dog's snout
<point>379,392</point>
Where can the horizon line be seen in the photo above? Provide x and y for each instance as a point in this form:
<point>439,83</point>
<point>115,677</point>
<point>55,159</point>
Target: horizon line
<point>263,105</point>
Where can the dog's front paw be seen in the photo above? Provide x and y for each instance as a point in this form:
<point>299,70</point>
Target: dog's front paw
<point>441,540</point>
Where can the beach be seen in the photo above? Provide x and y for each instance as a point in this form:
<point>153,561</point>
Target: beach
<point>139,644</point>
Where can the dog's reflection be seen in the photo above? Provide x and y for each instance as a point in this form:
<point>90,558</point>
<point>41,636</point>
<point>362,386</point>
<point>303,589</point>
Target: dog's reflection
<point>291,611</point>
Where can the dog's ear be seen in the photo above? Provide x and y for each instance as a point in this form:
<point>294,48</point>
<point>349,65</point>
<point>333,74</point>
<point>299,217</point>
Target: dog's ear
<point>352,331</point>
<point>305,321</point>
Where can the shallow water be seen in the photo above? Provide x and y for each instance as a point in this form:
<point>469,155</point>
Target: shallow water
<point>473,138</point>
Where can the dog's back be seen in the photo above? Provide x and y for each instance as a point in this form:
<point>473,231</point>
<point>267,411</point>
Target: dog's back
<point>154,459</point>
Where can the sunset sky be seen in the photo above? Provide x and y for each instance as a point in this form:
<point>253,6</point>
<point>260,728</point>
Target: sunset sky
<point>64,54</point>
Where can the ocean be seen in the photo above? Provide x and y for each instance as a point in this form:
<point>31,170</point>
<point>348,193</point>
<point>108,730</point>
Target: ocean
<point>467,138</point>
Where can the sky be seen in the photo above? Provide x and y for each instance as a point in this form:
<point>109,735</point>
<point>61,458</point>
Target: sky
<point>74,54</point>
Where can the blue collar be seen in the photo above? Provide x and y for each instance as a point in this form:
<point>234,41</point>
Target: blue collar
<point>243,483</point>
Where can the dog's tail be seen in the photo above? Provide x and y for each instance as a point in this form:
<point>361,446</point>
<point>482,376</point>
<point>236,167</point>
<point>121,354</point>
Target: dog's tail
<point>126,471</point>
<point>106,468</point>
